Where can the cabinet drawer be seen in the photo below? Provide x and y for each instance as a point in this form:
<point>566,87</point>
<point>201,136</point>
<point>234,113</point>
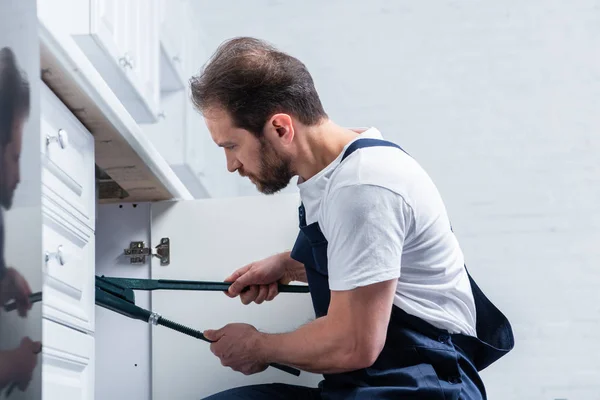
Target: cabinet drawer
<point>67,159</point>
<point>68,270</point>
<point>67,363</point>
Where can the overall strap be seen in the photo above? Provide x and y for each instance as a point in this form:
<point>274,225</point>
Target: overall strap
<point>368,142</point>
<point>357,144</point>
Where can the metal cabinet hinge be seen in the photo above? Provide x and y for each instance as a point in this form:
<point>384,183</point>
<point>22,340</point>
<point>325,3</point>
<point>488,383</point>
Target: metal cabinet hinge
<point>137,252</point>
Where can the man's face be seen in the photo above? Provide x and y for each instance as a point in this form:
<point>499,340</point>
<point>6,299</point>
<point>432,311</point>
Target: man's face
<point>10,171</point>
<point>257,159</point>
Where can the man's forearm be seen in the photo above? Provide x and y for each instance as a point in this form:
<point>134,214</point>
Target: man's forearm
<point>319,346</point>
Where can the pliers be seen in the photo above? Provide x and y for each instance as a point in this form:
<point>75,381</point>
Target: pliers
<point>116,294</point>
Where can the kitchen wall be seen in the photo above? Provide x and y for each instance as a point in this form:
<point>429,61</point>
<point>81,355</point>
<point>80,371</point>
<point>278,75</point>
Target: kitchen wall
<point>22,221</point>
<point>499,102</point>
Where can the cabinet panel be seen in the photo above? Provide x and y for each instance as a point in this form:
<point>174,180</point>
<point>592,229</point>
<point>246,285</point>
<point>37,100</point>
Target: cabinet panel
<point>122,42</point>
<point>143,42</point>
<point>175,33</point>
<point>67,159</point>
<point>69,269</point>
<point>111,23</point>
<point>222,235</point>
<point>68,363</point>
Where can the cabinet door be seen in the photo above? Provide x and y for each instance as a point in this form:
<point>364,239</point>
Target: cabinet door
<point>110,25</point>
<point>69,268</point>
<point>174,17</point>
<point>142,29</point>
<point>68,363</point>
<point>122,43</point>
<point>209,239</point>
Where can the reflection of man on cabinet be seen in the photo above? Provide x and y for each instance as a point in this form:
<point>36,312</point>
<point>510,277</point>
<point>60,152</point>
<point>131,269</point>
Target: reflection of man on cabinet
<point>16,365</point>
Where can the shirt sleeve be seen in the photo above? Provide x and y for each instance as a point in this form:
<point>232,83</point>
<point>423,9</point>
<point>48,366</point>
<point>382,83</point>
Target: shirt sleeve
<point>365,226</point>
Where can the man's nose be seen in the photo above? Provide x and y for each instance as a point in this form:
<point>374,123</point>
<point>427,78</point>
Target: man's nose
<point>233,164</point>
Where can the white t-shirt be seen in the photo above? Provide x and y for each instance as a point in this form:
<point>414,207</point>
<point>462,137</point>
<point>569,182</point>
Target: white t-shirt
<point>384,218</point>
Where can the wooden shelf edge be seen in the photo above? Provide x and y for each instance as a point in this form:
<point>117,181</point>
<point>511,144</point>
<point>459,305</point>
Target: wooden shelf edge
<point>121,149</point>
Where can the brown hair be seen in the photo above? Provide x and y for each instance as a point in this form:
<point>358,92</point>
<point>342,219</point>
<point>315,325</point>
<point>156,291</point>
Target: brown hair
<point>252,80</point>
<point>14,94</point>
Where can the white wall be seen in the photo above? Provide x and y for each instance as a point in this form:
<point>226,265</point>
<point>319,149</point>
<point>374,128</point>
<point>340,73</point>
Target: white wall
<point>499,101</point>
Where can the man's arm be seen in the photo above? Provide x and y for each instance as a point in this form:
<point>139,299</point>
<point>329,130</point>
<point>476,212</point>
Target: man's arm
<point>365,226</point>
<point>296,270</point>
<point>351,336</point>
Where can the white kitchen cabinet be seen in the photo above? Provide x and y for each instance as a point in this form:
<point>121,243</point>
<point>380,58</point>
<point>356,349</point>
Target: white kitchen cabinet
<point>67,362</point>
<point>180,134</point>
<point>68,215</point>
<point>67,160</point>
<point>68,248</point>
<point>122,40</point>
<point>174,36</point>
<point>208,239</point>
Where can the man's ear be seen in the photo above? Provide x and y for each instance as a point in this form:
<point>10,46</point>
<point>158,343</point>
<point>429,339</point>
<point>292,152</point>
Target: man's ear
<point>282,127</point>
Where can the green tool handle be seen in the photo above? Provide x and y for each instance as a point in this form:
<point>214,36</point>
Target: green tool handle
<point>128,309</point>
<point>118,305</point>
<point>199,335</point>
<point>219,286</point>
<point>33,298</point>
<point>171,284</point>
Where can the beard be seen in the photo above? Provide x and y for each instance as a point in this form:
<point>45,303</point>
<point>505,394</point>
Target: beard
<point>275,172</point>
<point>6,197</point>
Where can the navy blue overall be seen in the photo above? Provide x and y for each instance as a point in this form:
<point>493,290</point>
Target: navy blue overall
<point>418,361</point>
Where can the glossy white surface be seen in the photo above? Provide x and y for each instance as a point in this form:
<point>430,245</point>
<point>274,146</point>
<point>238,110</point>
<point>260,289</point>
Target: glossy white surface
<point>68,363</point>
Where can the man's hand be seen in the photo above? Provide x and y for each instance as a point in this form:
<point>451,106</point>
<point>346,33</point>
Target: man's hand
<point>236,345</point>
<point>14,286</point>
<point>351,336</point>
<point>261,278</point>
<point>17,365</point>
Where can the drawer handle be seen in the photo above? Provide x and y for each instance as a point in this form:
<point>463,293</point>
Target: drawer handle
<point>127,61</point>
<point>59,255</point>
<point>62,139</point>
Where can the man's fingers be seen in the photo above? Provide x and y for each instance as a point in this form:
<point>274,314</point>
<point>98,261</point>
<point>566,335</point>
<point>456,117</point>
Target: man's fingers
<point>25,288</point>
<point>22,309</point>
<point>238,286</point>
<point>233,278</point>
<point>249,295</point>
<point>263,291</point>
<point>36,347</point>
<point>247,279</point>
<point>238,273</point>
<point>213,335</point>
<point>273,291</point>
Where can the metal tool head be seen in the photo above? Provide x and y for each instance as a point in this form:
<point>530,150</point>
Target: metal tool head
<point>120,291</point>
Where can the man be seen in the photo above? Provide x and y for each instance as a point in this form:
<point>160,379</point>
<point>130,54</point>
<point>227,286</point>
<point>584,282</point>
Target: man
<point>397,313</point>
<point>16,365</point>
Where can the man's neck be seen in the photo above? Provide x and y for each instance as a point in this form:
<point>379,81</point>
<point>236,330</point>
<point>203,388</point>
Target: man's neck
<point>321,145</point>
